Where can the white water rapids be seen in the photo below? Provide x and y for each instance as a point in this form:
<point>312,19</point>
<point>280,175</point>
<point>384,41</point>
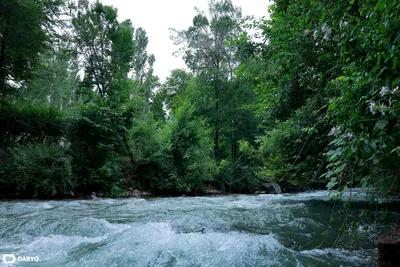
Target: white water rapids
<point>236,230</point>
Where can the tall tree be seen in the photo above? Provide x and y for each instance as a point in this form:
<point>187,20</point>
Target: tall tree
<point>291,73</point>
<point>149,84</point>
<point>55,80</point>
<point>175,86</point>
<point>205,52</point>
<point>145,80</point>
<point>24,33</point>
<point>141,57</point>
<point>105,45</point>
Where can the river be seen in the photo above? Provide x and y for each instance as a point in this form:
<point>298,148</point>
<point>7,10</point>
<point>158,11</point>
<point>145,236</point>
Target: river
<point>235,230</point>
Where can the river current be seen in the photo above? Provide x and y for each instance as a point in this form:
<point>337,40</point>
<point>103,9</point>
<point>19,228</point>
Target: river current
<point>235,230</point>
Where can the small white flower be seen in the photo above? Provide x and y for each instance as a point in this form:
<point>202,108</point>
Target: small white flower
<point>395,90</point>
<point>342,24</point>
<point>349,135</point>
<point>382,110</point>
<point>325,29</point>
<point>384,90</point>
<point>390,102</point>
<point>315,34</point>
<point>371,107</point>
<point>333,130</point>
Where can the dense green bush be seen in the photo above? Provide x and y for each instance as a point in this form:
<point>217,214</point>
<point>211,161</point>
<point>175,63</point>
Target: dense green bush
<point>190,149</point>
<point>291,75</point>
<point>96,134</point>
<point>238,176</point>
<point>24,124</point>
<point>32,162</point>
<point>37,170</point>
<point>327,85</point>
<point>176,155</point>
<point>366,136</point>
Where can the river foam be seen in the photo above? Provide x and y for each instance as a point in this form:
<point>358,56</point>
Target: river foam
<point>240,230</point>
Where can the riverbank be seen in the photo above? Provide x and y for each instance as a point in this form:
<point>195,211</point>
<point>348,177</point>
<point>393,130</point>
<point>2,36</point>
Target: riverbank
<point>264,188</point>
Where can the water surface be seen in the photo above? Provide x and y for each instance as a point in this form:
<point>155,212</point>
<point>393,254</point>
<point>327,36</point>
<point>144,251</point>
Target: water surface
<point>237,230</point>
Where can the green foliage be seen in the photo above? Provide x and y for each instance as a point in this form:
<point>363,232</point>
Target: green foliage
<point>22,38</point>
<point>317,102</point>
<point>145,139</point>
<point>293,150</point>
<point>365,142</point>
<point>175,86</point>
<point>107,49</point>
<point>54,81</point>
<point>205,51</point>
<point>37,170</point>
<point>97,136</point>
<point>145,81</point>
<point>291,76</point>
<point>327,67</point>
<point>239,175</point>
<point>190,149</point>
<point>26,124</point>
<point>175,155</point>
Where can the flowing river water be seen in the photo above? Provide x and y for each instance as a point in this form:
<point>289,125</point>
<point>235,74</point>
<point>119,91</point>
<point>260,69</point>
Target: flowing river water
<point>235,230</point>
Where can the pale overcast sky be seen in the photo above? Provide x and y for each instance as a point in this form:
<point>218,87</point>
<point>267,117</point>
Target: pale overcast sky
<point>157,16</point>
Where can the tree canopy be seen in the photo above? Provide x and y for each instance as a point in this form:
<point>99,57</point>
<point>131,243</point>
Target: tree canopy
<point>312,101</point>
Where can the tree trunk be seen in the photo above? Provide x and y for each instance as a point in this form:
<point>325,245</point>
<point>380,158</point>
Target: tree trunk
<point>133,160</point>
<point>216,136</point>
<point>234,142</point>
<point>2,62</point>
<point>216,143</point>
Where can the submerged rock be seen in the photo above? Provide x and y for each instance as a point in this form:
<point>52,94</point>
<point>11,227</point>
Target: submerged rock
<point>71,193</point>
<point>211,191</point>
<point>389,249</point>
<point>288,187</point>
<point>136,193</point>
<point>146,194</point>
<point>272,188</point>
<point>93,196</point>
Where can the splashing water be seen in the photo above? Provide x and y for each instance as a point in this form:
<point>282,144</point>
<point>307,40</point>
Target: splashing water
<point>243,230</point>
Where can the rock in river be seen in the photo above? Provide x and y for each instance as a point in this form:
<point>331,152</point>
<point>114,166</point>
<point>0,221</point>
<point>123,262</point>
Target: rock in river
<point>272,188</point>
